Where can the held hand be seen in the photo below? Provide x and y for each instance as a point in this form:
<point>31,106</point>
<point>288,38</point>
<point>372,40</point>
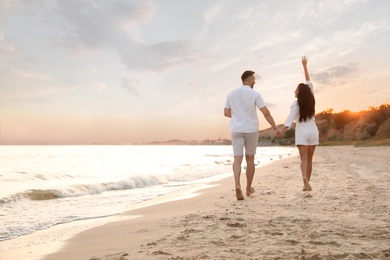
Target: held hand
<point>304,60</point>
<point>278,133</point>
<point>283,131</point>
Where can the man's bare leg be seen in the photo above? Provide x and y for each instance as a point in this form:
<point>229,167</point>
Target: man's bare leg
<point>250,172</point>
<point>303,153</point>
<point>237,173</point>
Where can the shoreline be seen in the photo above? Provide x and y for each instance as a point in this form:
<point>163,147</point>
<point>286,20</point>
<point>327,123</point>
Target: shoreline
<point>48,240</point>
<point>346,216</point>
<point>51,240</point>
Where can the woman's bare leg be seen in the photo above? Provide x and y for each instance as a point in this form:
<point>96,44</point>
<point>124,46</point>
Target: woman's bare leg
<point>310,153</point>
<point>303,153</point>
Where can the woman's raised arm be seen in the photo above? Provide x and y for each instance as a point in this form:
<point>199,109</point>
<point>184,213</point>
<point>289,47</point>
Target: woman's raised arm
<point>304,63</point>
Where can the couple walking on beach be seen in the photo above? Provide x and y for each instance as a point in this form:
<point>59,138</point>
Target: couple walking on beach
<point>241,107</point>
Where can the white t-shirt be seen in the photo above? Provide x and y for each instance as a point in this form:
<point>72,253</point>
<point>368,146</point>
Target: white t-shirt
<point>243,102</point>
<point>294,112</point>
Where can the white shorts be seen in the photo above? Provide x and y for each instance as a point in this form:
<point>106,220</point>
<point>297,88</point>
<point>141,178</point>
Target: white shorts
<point>307,135</point>
<point>247,140</point>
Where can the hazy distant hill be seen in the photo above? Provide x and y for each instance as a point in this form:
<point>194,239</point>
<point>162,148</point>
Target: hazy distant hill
<point>367,125</point>
<point>193,142</point>
<point>372,125</point>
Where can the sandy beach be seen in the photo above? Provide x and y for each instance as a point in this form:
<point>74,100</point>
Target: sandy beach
<point>346,216</point>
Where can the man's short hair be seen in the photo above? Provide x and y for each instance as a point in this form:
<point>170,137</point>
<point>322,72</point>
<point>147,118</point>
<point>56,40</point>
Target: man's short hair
<point>246,75</point>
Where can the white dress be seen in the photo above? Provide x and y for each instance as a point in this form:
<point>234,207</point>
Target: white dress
<point>306,133</point>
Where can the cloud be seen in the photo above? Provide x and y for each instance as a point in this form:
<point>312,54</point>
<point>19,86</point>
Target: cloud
<point>93,24</point>
<point>336,75</point>
<point>4,4</point>
<point>342,42</point>
<point>258,76</point>
<point>132,85</point>
<point>99,86</point>
<point>271,105</point>
<point>159,56</point>
<point>30,74</point>
<point>6,47</point>
<point>226,63</point>
<point>28,89</point>
<point>113,24</point>
<point>270,41</point>
<point>193,85</point>
<point>212,12</point>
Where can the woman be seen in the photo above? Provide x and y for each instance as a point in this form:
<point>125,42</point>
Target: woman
<point>306,131</point>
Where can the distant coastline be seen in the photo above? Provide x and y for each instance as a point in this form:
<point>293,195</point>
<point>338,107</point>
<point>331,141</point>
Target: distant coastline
<point>192,142</point>
<point>365,128</point>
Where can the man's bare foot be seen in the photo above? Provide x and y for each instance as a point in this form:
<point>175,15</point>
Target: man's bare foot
<point>306,185</point>
<point>250,191</point>
<point>239,194</point>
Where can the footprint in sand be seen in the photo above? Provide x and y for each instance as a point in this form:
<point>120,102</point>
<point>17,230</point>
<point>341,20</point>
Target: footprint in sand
<point>236,224</point>
<point>159,252</point>
<point>117,256</point>
<point>308,195</point>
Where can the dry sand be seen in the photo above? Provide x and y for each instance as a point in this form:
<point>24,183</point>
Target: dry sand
<point>346,216</point>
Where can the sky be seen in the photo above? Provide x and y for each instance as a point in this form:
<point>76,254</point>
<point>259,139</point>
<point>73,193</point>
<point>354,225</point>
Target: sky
<point>125,72</point>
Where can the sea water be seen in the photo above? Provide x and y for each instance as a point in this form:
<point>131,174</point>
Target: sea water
<point>43,186</point>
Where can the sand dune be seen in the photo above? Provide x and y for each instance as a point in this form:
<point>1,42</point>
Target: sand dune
<point>345,217</point>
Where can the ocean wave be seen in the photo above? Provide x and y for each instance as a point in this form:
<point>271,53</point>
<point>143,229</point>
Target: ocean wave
<point>17,231</point>
<point>134,182</point>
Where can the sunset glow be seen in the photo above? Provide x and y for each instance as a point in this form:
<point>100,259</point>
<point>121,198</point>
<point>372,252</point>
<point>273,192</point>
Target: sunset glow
<point>123,72</point>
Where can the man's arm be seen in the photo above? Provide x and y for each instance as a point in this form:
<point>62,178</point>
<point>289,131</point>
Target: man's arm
<point>227,112</point>
<point>304,63</point>
<point>267,115</point>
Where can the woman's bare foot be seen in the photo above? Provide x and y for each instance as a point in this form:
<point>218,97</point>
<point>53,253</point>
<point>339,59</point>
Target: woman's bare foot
<point>306,185</point>
<point>250,191</point>
<point>239,194</point>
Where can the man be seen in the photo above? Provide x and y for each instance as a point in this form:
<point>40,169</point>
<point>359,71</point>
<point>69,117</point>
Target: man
<point>241,108</point>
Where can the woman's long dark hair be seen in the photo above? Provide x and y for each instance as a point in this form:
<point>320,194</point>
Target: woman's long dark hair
<point>306,102</point>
